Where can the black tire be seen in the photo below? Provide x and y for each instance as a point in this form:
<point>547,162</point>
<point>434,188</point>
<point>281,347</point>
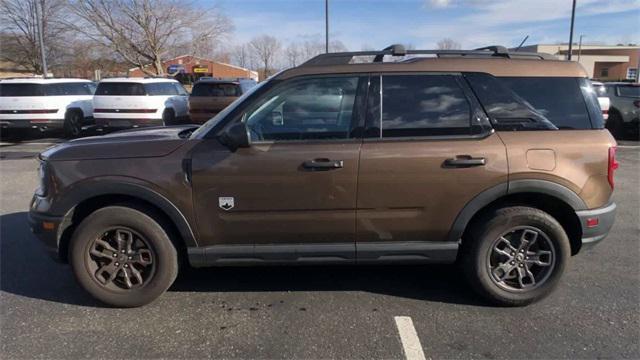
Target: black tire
<point>168,117</point>
<point>73,124</point>
<point>480,254</point>
<point>156,277</point>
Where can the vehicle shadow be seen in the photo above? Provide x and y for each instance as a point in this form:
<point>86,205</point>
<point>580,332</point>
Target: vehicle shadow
<point>26,270</point>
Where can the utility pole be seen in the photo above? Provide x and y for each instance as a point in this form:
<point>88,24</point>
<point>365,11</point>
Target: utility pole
<point>573,16</point>
<point>39,15</point>
<point>326,26</point>
<point>580,47</point>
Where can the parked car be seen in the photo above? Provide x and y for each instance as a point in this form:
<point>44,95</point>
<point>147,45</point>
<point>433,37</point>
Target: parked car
<point>210,96</point>
<point>603,98</point>
<point>121,103</point>
<point>46,104</point>
<point>495,160</point>
<point>624,113</point>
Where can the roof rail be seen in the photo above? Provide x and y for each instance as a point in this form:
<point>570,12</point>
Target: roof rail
<point>343,58</point>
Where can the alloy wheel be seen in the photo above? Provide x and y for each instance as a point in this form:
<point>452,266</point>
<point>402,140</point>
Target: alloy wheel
<point>521,259</point>
<point>121,259</point>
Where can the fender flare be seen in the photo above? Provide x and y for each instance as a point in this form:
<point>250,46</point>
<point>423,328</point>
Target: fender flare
<point>94,188</point>
<point>494,193</point>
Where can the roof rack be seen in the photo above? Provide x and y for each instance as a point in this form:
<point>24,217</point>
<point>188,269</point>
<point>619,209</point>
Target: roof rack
<point>343,58</point>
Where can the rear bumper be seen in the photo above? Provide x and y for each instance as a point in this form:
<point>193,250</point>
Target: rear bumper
<point>42,124</point>
<point>604,216</point>
<point>110,123</point>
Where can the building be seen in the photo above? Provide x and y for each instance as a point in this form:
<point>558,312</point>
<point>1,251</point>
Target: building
<point>602,62</point>
<point>191,67</point>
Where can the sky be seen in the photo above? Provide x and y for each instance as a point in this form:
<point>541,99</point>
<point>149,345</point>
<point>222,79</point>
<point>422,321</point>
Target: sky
<point>422,23</point>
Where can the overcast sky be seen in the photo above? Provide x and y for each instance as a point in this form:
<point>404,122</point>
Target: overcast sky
<point>473,23</point>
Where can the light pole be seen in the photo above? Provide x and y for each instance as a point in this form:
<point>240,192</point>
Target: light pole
<point>326,26</point>
<point>41,38</point>
<point>580,47</point>
<point>573,16</point>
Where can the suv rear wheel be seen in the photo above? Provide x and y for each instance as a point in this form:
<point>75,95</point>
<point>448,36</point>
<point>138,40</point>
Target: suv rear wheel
<point>73,124</point>
<point>123,257</point>
<point>168,117</point>
<point>515,255</point>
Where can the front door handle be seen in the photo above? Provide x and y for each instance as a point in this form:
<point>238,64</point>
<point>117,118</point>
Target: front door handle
<point>322,164</point>
<point>464,161</point>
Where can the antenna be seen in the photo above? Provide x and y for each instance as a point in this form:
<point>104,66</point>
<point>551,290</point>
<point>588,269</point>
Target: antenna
<point>522,43</point>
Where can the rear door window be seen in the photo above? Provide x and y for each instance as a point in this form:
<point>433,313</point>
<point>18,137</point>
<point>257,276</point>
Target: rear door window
<point>120,89</point>
<point>20,90</point>
<point>216,89</point>
<point>67,89</point>
<point>422,105</point>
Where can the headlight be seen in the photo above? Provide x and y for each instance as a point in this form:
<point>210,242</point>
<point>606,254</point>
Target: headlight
<point>42,178</point>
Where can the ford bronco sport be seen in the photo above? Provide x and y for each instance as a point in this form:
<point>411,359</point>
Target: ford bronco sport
<point>498,161</point>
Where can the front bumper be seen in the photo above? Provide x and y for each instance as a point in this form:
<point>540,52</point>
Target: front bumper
<point>48,229</point>
<point>603,218</point>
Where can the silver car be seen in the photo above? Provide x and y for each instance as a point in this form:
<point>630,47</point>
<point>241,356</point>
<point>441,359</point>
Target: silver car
<point>624,111</point>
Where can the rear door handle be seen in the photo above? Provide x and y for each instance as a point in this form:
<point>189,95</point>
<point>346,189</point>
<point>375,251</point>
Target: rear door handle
<point>322,164</point>
<point>464,161</point>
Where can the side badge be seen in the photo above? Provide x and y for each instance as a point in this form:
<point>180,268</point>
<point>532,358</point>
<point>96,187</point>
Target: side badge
<point>226,203</point>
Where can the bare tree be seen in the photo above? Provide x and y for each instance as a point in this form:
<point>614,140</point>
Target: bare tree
<point>448,44</point>
<point>20,32</point>
<point>266,48</point>
<point>293,54</point>
<point>144,32</point>
<point>241,55</point>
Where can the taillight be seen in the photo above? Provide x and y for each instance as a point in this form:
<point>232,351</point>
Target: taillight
<point>613,165</point>
<point>636,103</point>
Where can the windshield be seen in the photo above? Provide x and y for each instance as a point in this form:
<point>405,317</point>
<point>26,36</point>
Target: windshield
<point>222,114</point>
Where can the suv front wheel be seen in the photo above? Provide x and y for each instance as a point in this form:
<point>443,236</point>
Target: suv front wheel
<point>123,256</point>
<point>515,255</point>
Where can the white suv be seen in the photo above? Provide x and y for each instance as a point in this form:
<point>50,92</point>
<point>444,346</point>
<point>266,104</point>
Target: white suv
<point>136,102</point>
<point>46,104</point>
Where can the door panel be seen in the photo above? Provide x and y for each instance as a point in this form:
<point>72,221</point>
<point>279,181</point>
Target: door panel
<point>405,193</point>
<point>275,199</point>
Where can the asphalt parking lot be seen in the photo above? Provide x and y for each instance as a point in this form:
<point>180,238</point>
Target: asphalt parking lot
<point>315,312</point>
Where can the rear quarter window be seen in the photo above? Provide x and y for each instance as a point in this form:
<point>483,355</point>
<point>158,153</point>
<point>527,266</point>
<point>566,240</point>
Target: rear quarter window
<point>161,88</point>
<point>558,99</point>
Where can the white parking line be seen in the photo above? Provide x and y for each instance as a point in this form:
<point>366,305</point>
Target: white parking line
<point>409,338</point>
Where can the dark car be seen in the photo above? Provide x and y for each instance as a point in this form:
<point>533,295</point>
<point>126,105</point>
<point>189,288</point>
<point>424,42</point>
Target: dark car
<point>624,111</point>
<point>482,157</point>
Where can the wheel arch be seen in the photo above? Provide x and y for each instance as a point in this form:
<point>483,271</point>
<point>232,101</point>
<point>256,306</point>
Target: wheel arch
<point>85,201</point>
<point>555,199</point>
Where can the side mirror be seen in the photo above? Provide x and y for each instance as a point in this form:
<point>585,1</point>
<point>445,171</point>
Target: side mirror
<point>235,136</point>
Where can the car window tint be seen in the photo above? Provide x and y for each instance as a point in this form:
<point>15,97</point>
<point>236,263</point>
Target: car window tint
<point>161,88</point>
<point>559,99</point>
<point>424,105</point>
<point>313,108</point>
<point>505,108</point>
<point>216,89</point>
<point>67,89</point>
<point>120,89</point>
<point>246,85</point>
<point>21,90</point>
<point>629,91</point>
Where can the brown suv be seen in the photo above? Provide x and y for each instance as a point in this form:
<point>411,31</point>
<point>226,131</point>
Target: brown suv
<point>498,161</point>
<point>210,96</point>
